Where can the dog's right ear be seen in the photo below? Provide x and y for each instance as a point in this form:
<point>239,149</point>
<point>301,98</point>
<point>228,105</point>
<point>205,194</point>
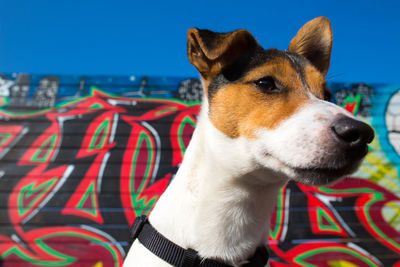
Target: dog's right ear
<point>314,42</point>
<point>211,52</point>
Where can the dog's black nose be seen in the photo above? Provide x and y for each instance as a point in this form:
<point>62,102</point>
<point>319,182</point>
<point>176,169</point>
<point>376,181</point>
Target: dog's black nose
<point>353,135</point>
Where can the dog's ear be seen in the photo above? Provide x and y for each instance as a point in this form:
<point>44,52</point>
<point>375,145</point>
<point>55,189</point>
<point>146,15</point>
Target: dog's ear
<point>210,52</point>
<point>314,42</point>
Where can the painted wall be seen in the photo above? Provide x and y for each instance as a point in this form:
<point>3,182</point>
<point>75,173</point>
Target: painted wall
<point>81,157</point>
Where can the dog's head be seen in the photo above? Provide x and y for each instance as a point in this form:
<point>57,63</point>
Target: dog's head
<point>279,102</point>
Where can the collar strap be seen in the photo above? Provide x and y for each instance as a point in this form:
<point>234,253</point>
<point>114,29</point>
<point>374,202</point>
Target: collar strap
<point>178,256</point>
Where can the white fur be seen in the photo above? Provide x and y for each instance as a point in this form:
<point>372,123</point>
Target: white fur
<point>221,199</point>
<point>304,141</point>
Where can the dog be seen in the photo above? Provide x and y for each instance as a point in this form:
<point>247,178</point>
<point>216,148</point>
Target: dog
<point>265,119</point>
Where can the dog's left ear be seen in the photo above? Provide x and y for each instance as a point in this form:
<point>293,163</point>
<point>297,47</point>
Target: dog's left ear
<point>314,42</point>
<point>210,52</point>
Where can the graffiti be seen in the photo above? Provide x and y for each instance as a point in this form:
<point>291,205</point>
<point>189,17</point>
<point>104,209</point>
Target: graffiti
<point>356,100</point>
<point>74,177</point>
<point>45,95</point>
<point>345,225</point>
<point>5,85</point>
<point>19,91</point>
<point>69,169</point>
<point>189,90</point>
<point>393,121</point>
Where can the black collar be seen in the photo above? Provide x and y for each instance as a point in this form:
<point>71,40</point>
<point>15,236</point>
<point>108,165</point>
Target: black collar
<point>178,256</point>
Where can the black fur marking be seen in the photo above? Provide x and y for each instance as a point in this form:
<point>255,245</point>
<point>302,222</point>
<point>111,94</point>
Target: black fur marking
<point>215,84</point>
<point>299,63</point>
<point>251,60</point>
<point>327,94</point>
<point>238,69</point>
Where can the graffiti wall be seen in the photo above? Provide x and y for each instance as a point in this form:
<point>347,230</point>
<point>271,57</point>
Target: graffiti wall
<point>81,157</point>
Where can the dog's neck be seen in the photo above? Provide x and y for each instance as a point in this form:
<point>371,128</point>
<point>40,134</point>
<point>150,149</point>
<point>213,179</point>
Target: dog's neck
<point>219,202</point>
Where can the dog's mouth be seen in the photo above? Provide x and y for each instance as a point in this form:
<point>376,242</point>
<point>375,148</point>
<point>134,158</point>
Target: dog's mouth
<point>317,175</point>
<point>322,176</point>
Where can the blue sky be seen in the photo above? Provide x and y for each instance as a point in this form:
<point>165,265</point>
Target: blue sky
<point>149,37</point>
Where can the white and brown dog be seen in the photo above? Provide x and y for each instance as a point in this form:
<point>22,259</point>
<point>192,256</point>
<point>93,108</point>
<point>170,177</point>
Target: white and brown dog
<point>265,119</point>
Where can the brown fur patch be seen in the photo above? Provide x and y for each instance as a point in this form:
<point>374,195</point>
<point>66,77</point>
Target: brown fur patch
<point>239,109</point>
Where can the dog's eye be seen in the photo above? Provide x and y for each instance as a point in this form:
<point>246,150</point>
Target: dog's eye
<point>267,85</point>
